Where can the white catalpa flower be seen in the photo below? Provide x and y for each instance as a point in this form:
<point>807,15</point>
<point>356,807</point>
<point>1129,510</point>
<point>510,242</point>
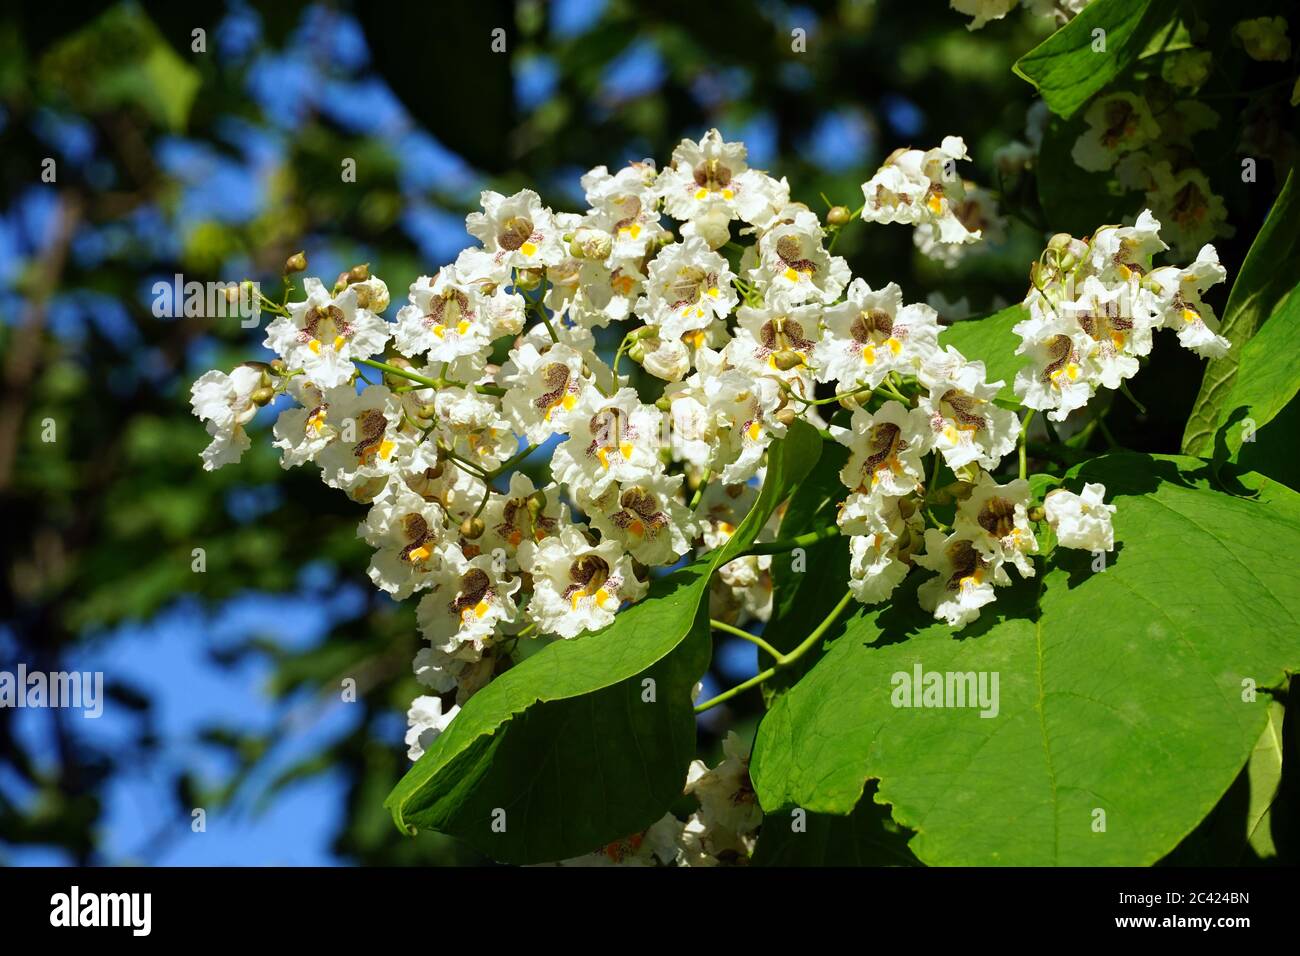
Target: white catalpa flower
<point>712,177</point>
<point>646,517</point>
<point>225,404</point>
<point>1117,124</point>
<point>625,205</point>
<point>794,268</point>
<point>468,600</point>
<point>871,334</point>
<point>966,425</point>
<point>324,333</point>
<point>965,580</point>
<point>544,389</point>
<point>723,418</point>
<point>577,586</point>
<point>518,231</point>
<point>445,319</point>
<point>610,440</point>
<point>368,443</point>
<point>524,513</point>
<point>874,566</point>
<point>995,518</point>
<point>726,794</point>
<point>301,433</point>
<point>977,211</point>
<point>920,186</point>
<point>1117,328</point>
<point>774,341</point>
<point>1058,378</point>
<point>885,450</point>
<point>425,720</point>
<point>689,287</point>
<point>1082,520</point>
<point>1123,253</point>
<point>405,530</point>
<point>1179,296</point>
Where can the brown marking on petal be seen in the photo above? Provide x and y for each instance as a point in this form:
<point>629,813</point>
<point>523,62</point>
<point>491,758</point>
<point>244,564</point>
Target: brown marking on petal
<point>997,517</point>
<point>475,586</point>
<point>712,175</point>
<point>965,562</point>
<point>790,252</point>
<point>588,573</point>
<point>556,379</point>
<point>962,406</point>
<point>1059,348</point>
<point>1121,122</point>
<point>371,424</point>
<point>515,231</point>
<point>886,442</point>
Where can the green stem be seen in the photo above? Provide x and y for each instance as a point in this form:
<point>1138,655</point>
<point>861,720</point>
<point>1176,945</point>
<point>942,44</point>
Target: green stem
<point>512,461</point>
<point>699,490</point>
<point>1123,388</point>
<point>799,541</point>
<point>782,660</point>
<point>429,382</point>
<point>752,638</point>
<point>1024,430</point>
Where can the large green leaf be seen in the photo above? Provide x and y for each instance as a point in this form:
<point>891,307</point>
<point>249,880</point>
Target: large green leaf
<point>1119,691</point>
<point>567,743</point>
<point>991,341</point>
<point>1267,378</point>
<point>1065,67</point>
<point>1262,288</point>
<point>866,837</point>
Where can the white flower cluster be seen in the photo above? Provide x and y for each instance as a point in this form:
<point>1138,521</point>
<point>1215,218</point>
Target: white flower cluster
<point>742,335</point>
<point>921,188</point>
<point>1095,305</point>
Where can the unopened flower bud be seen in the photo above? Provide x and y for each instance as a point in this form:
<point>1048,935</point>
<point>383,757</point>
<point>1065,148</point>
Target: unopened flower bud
<point>472,528</point>
<point>295,263</point>
<point>664,403</point>
<point>359,273</point>
<point>526,280</point>
<point>907,506</point>
<point>590,243</point>
<point>263,396</point>
<point>1036,513</point>
<point>426,411</point>
<point>278,367</point>
<point>838,216</point>
<point>787,359</point>
<point>636,353</point>
<point>786,416</point>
